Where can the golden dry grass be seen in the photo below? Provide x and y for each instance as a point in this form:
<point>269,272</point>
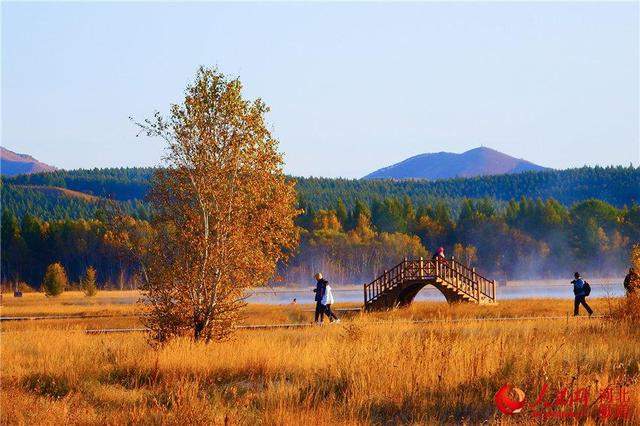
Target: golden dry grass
<point>123,302</point>
<point>69,303</point>
<point>361,371</point>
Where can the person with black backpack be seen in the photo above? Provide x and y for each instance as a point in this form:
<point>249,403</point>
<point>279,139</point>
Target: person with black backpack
<point>581,289</point>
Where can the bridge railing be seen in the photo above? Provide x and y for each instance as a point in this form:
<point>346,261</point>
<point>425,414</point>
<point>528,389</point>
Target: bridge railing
<point>465,280</point>
<point>469,281</point>
<point>386,281</point>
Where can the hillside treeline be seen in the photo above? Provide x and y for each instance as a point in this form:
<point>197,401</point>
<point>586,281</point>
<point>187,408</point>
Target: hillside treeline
<point>618,186</point>
<point>51,205</point>
<point>527,238</point>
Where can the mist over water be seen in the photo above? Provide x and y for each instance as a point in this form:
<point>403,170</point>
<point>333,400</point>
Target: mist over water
<point>523,290</point>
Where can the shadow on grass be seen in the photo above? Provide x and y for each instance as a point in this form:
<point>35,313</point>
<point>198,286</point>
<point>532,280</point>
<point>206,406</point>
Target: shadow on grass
<point>48,385</point>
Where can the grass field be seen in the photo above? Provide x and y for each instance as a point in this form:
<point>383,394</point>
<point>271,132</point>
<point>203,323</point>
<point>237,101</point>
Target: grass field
<point>376,368</point>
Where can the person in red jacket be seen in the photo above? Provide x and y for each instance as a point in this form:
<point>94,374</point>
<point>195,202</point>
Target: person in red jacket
<point>439,256</point>
<point>439,260</point>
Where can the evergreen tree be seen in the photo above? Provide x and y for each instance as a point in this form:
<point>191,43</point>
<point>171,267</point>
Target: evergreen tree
<point>55,280</point>
<point>341,213</point>
<point>88,282</point>
<point>13,247</point>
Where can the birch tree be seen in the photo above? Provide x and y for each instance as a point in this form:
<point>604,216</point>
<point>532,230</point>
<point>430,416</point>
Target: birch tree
<point>223,210</point>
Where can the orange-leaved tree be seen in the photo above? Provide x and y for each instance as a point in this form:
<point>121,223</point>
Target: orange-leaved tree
<point>223,210</point>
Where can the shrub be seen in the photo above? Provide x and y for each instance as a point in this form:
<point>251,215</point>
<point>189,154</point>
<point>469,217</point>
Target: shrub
<point>88,282</point>
<point>24,287</point>
<point>18,285</point>
<point>55,280</point>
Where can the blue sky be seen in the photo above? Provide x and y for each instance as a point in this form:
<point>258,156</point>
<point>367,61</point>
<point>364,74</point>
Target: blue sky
<point>352,87</point>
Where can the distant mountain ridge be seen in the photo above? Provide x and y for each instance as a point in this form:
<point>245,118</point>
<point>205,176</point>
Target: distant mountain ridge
<point>12,164</point>
<point>480,161</point>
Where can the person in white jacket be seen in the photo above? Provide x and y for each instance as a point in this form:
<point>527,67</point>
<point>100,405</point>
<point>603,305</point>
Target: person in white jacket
<point>327,301</point>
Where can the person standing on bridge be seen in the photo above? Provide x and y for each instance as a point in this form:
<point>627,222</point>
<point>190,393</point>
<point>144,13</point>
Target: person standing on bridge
<point>581,289</point>
<point>439,256</point>
<point>321,286</point>
<point>439,259</point>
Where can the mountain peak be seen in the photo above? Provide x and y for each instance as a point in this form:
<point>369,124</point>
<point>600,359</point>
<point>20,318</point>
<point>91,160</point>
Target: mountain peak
<point>482,148</point>
<point>480,161</point>
<point>12,163</point>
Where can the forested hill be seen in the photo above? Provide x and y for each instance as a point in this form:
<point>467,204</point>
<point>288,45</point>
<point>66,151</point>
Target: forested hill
<point>354,228</point>
<point>618,186</point>
<point>116,183</point>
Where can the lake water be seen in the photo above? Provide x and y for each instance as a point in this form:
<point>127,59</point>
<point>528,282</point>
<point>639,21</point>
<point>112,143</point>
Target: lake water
<point>523,290</point>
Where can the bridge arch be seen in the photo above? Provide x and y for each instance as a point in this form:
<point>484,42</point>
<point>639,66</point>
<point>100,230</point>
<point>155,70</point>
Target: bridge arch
<point>408,294</point>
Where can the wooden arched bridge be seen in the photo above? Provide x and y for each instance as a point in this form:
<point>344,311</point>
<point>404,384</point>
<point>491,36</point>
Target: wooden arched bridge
<point>398,286</point>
